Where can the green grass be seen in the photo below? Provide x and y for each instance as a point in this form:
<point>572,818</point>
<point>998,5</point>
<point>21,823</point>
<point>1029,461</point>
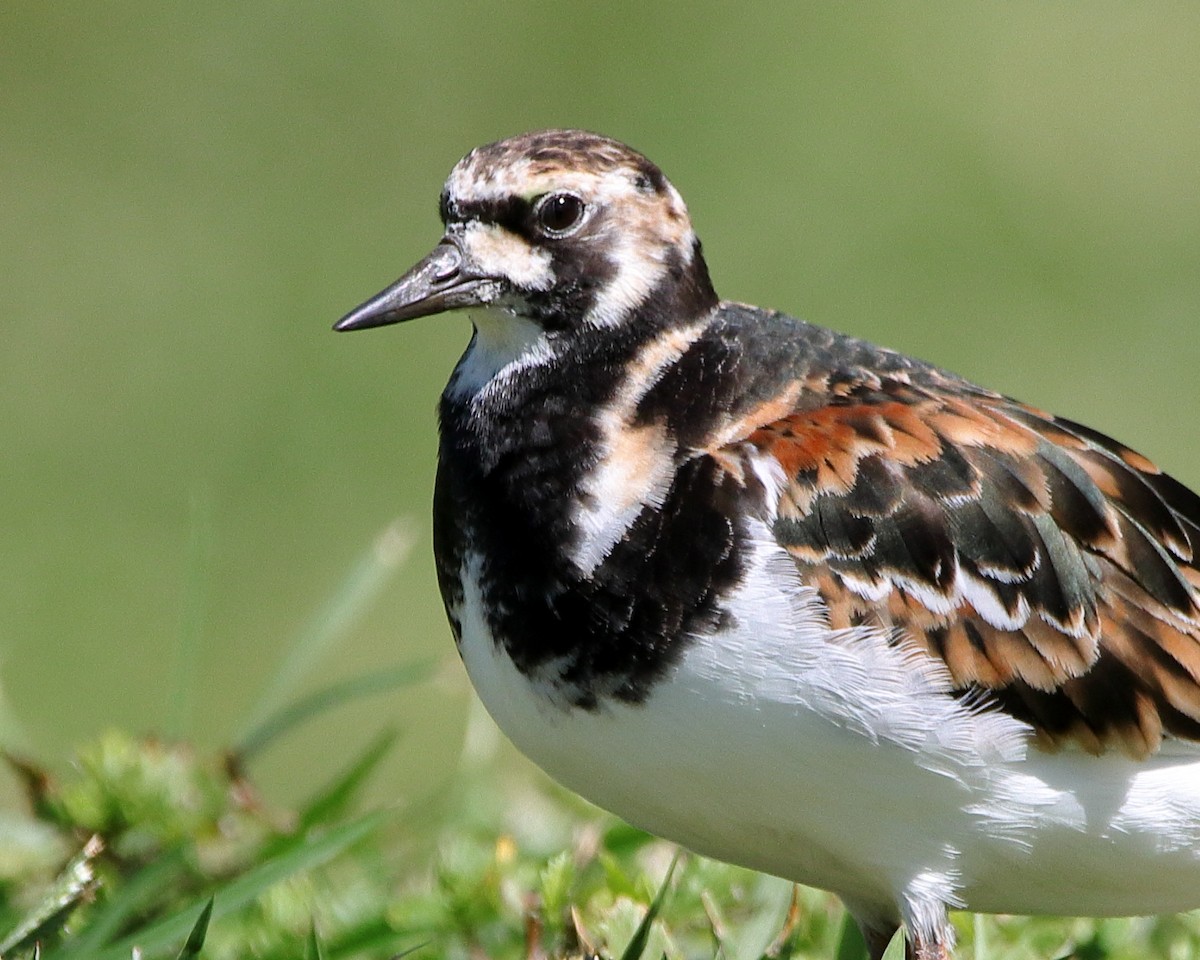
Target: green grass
<point>175,855</point>
<point>153,849</point>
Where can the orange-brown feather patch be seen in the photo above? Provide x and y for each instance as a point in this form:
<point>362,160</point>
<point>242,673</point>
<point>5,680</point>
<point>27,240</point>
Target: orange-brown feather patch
<point>969,425</point>
<point>767,415</point>
<point>830,441</point>
<point>967,663</point>
<point>1068,656</point>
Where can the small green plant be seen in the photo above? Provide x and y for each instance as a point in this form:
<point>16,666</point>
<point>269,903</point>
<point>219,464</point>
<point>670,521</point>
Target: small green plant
<point>154,851</point>
<point>195,865</point>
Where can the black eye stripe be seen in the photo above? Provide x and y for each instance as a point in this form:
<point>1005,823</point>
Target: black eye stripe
<point>550,215</point>
<point>512,213</point>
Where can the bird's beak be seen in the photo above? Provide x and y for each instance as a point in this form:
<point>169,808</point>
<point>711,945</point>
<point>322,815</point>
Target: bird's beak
<point>437,283</point>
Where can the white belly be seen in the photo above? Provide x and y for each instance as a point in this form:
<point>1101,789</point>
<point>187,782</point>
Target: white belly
<point>842,763</point>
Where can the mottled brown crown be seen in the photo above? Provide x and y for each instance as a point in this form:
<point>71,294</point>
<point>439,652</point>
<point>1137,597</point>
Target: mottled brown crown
<point>544,153</point>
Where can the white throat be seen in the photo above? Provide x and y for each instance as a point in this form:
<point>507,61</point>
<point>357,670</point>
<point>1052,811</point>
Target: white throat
<point>504,344</point>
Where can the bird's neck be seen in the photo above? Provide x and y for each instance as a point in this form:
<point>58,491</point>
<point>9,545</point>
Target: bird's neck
<point>537,426</point>
<point>520,398</point>
<point>565,493</point>
<point>560,345</point>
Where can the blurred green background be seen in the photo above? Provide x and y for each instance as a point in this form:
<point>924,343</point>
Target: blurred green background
<point>190,194</point>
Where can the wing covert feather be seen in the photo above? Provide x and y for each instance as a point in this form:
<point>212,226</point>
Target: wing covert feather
<point>1036,558</point>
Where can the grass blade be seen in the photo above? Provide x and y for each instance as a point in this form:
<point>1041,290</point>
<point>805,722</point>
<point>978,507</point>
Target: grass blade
<point>851,945</point>
<point>333,621</point>
<point>333,801</point>
<point>276,724</point>
<point>107,918</point>
<point>313,951</point>
<point>195,940</point>
<point>245,888</point>
<point>74,884</point>
<point>409,952</point>
<point>637,944</point>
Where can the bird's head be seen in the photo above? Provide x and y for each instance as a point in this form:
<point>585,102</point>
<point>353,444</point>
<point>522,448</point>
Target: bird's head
<point>558,231</point>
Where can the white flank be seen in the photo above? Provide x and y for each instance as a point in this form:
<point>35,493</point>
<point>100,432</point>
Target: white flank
<point>842,761</point>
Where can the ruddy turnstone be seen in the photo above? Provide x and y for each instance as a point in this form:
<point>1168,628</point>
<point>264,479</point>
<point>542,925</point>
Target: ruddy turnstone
<point>791,599</point>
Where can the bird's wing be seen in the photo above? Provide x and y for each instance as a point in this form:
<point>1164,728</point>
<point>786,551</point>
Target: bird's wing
<point>1037,559</point>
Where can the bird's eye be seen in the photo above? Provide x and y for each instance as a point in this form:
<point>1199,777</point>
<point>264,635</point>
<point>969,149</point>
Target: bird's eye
<point>559,213</point>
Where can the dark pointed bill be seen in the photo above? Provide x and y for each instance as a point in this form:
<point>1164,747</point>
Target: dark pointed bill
<point>437,283</point>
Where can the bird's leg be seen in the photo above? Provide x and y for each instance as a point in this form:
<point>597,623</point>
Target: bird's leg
<point>928,932</point>
<point>918,948</point>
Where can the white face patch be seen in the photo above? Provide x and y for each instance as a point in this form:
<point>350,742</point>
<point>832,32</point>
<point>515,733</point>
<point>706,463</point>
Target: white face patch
<point>492,251</point>
<point>503,345</point>
<point>642,240</point>
<point>636,275</point>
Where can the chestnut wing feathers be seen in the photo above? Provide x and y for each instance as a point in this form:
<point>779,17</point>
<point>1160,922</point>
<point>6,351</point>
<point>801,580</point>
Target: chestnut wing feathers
<point>1039,560</point>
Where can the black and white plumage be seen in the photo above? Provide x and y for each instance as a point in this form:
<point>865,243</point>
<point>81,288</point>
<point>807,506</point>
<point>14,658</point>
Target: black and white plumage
<point>791,599</point>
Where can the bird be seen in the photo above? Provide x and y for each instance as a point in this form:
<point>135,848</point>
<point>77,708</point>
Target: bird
<point>790,599</point>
